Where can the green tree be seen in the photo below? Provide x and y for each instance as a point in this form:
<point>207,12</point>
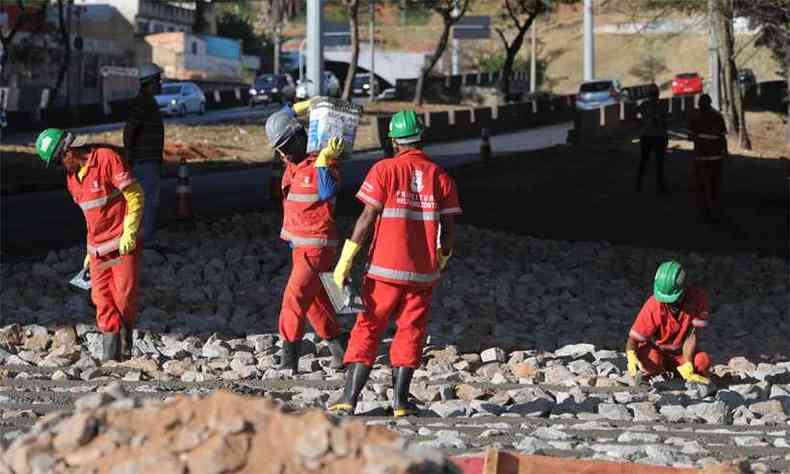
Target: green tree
<point>236,23</point>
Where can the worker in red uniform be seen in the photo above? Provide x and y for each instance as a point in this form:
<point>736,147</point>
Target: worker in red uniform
<point>100,182</point>
<point>410,204</point>
<point>709,133</point>
<point>309,186</point>
<point>664,335</point>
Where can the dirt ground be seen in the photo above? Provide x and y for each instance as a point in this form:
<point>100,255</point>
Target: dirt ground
<point>587,194</point>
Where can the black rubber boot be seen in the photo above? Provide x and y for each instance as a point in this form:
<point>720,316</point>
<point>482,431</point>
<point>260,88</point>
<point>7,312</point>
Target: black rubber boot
<point>127,342</point>
<point>401,405</point>
<point>110,347</point>
<point>356,378</point>
<point>290,356</point>
<point>338,350</point>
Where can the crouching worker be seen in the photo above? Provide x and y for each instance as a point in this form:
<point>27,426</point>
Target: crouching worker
<point>664,336</point>
<point>309,185</point>
<point>100,182</point>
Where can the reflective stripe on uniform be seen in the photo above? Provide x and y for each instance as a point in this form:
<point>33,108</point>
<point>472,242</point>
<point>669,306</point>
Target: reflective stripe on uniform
<point>402,275</point>
<point>710,158</point>
<point>635,335</point>
<point>307,241</point>
<point>394,212</point>
<point>668,347</point>
<point>109,263</point>
<point>369,200</point>
<point>699,323</point>
<point>296,197</point>
<point>105,247</point>
<point>451,210</point>
<point>99,202</point>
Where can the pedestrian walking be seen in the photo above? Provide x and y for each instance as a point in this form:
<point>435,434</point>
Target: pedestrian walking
<point>410,204</point>
<point>652,139</point>
<point>144,140</point>
<point>664,336</point>
<point>309,186</point>
<point>709,133</point>
<point>100,182</point>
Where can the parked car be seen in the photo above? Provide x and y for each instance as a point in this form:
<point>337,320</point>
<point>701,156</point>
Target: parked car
<point>746,79</point>
<point>331,86</point>
<point>361,84</point>
<point>687,83</point>
<point>181,98</point>
<point>599,93</point>
<point>269,88</point>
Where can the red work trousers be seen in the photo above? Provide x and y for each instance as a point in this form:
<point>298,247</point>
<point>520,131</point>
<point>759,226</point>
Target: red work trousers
<point>708,177</point>
<point>410,307</point>
<point>655,361</point>
<point>305,296</point>
<point>114,289</point>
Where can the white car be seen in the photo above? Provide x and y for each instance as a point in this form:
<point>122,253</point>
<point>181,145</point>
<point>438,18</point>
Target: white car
<point>181,98</point>
<point>331,86</point>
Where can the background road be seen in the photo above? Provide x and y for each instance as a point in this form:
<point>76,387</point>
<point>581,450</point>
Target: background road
<point>34,223</point>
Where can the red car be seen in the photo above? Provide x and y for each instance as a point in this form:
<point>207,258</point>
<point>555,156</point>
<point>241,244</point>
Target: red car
<point>687,83</point>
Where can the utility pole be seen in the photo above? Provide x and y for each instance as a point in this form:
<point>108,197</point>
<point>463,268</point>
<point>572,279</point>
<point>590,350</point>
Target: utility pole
<point>372,27</point>
<point>456,60</point>
<point>713,57</point>
<point>277,10</point>
<point>69,6</point>
<point>589,41</point>
<point>315,47</point>
<point>532,61</point>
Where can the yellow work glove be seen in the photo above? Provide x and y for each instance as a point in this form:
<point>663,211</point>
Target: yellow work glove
<point>443,259</point>
<point>301,107</point>
<point>134,216</point>
<point>687,372</point>
<point>87,261</point>
<point>633,363</point>
<point>332,150</point>
<point>343,267</point>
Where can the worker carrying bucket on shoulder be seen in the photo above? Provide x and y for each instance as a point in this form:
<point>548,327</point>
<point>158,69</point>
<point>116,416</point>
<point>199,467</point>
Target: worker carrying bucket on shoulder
<point>309,187</point>
<point>101,183</point>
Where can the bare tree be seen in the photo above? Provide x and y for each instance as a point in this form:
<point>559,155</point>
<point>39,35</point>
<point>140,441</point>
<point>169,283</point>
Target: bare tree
<point>23,18</point>
<point>66,61</point>
<point>517,15</point>
<point>772,17</point>
<point>353,21</point>
<point>451,12</point>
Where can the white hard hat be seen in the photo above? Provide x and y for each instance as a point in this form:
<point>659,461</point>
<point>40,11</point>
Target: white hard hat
<point>148,71</point>
<point>280,127</point>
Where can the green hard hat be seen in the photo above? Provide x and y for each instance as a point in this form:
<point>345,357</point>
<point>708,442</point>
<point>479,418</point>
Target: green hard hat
<point>50,143</point>
<point>670,282</point>
<point>405,124</point>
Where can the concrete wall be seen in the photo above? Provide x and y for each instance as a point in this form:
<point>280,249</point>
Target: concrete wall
<point>618,120</point>
<point>469,123</point>
<point>389,65</point>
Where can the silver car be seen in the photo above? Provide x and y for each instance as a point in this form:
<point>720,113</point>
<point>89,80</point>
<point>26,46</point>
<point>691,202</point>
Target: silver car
<point>181,98</point>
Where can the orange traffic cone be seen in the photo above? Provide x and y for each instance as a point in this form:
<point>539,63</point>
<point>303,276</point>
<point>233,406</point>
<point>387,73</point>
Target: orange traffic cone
<point>275,186</point>
<point>184,191</point>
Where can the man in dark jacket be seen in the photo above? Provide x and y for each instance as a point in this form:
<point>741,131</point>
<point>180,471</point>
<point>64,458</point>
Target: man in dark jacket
<point>653,137</point>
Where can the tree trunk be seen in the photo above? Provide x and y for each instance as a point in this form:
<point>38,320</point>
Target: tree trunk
<point>426,70</point>
<point>511,51</point>
<point>787,92</point>
<point>64,65</point>
<point>352,65</point>
<point>736,97</point>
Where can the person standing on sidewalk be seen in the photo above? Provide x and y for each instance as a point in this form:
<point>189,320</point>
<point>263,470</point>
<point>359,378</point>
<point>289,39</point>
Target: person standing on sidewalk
<point>664,335</point>
<point>410,204</point>
<point>709,133</point>
<point>653,138</point>
<point>144,140</point>
<point>309,188</point>
<point>100,182</point>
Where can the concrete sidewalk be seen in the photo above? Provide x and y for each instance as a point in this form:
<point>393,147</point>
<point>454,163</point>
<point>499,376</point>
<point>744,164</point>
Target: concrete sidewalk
<point>33,223</point>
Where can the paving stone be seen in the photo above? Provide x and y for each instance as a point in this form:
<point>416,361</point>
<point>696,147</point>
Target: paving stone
<point>637,437</point>
<point>614,412</point>
<point>493,354</point>
<point>749,441</point>
<point>711,412</point>
<point>531,445</point>
<point>548,433</point>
